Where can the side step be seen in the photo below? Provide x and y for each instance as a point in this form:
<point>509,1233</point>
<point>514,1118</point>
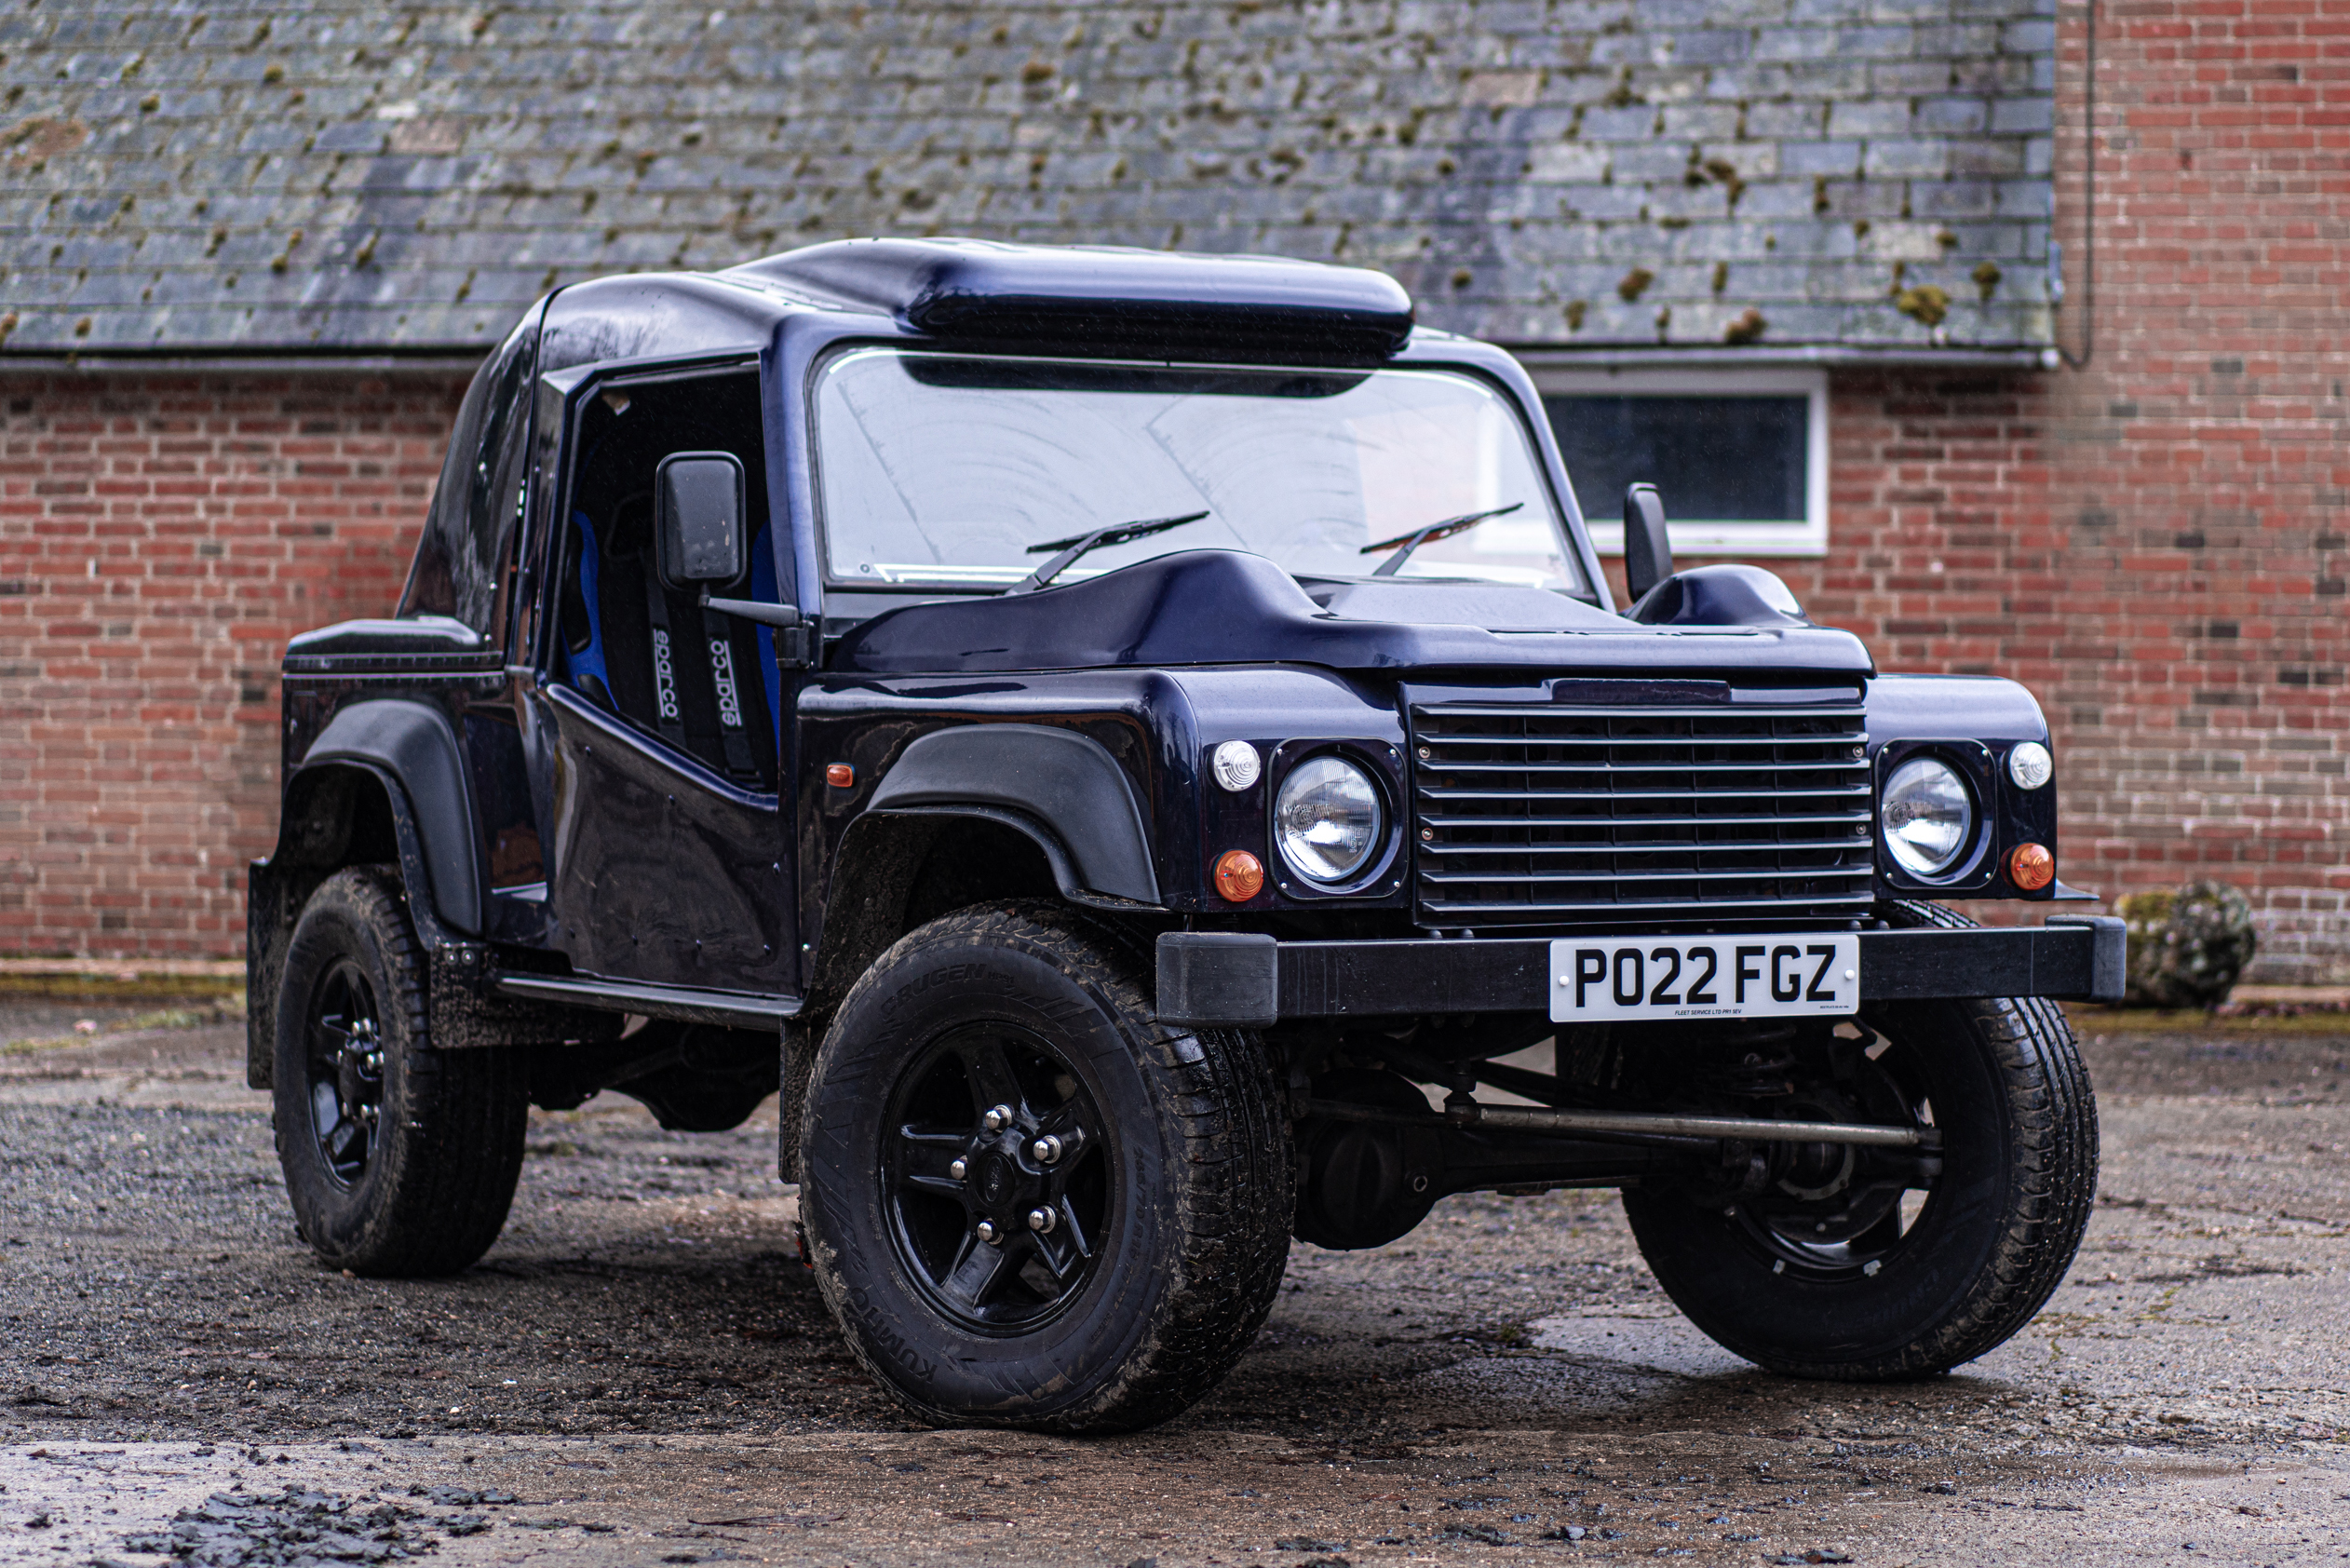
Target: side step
<point>732,1010</point>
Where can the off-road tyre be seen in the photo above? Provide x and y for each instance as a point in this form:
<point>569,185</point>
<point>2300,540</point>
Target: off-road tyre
<point>2019,1121</point>
<point>1194,1192</point>
<point>445,1146</point>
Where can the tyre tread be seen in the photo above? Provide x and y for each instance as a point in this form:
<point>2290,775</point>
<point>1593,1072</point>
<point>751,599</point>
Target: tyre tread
<point>460,1157</point>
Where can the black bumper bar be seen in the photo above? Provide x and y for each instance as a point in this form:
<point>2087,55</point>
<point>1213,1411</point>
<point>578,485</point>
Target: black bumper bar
<point>1242,978</point>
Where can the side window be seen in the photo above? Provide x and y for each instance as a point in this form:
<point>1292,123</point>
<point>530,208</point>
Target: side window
<point>1740,453</point>
<point>703,682</point>
<point>469,541</point>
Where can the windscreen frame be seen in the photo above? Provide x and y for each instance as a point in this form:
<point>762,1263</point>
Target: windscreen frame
<point>1575,561</point>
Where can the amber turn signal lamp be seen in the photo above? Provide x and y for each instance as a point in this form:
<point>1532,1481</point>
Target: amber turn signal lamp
<point>840,776</point>
<point>1239,876</point>
<point>2031,867</point>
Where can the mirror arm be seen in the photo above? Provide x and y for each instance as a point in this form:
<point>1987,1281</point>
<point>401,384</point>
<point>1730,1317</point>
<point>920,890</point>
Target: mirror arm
<point>795,643</point>
<point>753,611</point>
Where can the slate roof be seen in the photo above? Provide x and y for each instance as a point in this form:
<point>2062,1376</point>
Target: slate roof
<point>337,175</point>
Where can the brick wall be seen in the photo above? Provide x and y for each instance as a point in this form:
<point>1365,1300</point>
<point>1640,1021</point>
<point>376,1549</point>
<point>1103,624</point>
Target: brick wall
<point>2200,464</point>
<point>160,538</point>
<point>2156,543</point>
<point>2160,584</point>
<point>2189,666</point>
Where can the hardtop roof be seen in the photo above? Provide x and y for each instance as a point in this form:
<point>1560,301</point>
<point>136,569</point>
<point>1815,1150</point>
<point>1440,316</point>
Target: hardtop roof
<point>980,293</point>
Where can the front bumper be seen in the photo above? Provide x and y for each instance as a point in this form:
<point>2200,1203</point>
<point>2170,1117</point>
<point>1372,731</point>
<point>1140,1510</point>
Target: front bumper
<point>1244,979</point>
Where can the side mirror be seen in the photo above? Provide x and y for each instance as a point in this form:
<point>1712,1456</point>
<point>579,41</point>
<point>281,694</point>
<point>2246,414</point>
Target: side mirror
<point>697,516</point>
<point>1648,553</point>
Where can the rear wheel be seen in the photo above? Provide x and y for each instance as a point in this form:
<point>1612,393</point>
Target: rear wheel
<point>1858,1264</point>
<point>1028,1204</point>
<point>400,1160</point>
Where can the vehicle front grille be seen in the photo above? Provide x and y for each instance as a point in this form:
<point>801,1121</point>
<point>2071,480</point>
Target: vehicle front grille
<point>1525,813</point>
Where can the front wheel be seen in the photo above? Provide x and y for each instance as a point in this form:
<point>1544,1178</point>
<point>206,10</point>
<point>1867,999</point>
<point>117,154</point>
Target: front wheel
<point>400,1159</point>
<point>1851,1266</point>
<point>1028,1203</point>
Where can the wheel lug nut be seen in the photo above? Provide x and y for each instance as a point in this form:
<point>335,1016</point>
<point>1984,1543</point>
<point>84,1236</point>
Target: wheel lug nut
<point>998,1118</point>
<point>1046,1150</point>
<point>958,1168</point>
<point>1041,1220</point>
<point>987,1232</point>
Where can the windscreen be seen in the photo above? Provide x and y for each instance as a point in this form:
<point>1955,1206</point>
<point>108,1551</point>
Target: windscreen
<point>956,469</point>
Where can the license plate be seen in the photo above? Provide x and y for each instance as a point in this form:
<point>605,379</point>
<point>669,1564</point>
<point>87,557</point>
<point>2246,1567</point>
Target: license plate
<point>1596,978</point>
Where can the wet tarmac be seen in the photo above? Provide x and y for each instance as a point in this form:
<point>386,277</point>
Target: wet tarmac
<point>644,1368</point>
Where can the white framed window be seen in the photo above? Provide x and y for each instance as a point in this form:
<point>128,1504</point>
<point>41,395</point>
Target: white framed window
<point>1740,453</point>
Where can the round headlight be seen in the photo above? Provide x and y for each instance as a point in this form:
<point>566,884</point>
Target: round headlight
<point>1326,820</point>
<point>2030,766</point>
<point>1928,817</point>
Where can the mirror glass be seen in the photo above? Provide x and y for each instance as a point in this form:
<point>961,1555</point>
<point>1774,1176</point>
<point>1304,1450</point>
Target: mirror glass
<point>698,512</point>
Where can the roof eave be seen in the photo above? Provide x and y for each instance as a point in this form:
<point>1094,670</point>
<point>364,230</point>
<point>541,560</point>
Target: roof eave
<point>1836,355</point>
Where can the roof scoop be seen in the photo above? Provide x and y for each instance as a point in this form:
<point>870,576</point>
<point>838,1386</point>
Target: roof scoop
<point>1165,304</point>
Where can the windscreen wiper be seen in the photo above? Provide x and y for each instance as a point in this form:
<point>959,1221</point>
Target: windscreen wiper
<point>1428,535</point>
<point>1071,548</point>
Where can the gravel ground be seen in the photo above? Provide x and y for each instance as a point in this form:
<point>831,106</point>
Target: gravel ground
<point>644,1368</point>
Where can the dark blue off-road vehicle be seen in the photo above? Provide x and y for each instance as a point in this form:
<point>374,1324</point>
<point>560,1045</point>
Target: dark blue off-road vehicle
<point>1139,751</point>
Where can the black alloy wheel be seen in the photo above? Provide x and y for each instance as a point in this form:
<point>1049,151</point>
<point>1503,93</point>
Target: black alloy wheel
<point>1842,1210</point>
<point>1028,1203</point>
<point>345,1078</point>
<point>999,1173</point>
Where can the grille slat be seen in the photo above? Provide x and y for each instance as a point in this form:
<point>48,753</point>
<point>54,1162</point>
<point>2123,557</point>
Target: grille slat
<point>1445,879</point>
<point>1846,819</point>
<point>1635,846</point>
<point>1761,789</point>
<point>1742,766</point>
<point>1586,913</point>
<point>1574,815</point>
<point>1578,738</point>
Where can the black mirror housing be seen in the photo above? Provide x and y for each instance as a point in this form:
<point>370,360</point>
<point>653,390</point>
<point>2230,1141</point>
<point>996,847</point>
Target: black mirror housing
<point>698,509</point>
<point>1648,552</point>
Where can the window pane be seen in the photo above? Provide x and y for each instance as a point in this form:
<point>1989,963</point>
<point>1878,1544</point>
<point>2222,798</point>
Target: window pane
<point>954,469</point>
<point>1715,459</point>
<point>468,534</point>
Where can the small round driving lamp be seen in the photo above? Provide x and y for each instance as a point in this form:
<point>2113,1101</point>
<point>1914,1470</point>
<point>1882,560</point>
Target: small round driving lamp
<point>1327,819</point>
<point>2031,867</point>
<point>1239,876</point>
<point>1927,815</point>
<point>2030,766</point>
<point>1237,765</point>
